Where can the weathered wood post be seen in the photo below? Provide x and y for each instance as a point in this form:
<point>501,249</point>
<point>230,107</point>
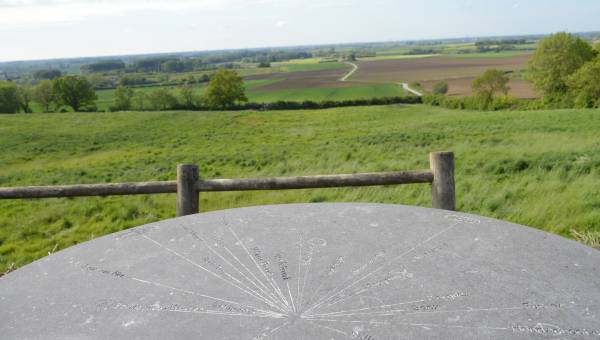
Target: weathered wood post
<point>187,194</point>
<point>442,188</point>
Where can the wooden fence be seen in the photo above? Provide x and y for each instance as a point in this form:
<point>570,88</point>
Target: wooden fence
<point>189,185</point>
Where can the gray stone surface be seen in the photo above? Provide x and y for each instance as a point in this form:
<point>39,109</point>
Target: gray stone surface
<point>319,271</point>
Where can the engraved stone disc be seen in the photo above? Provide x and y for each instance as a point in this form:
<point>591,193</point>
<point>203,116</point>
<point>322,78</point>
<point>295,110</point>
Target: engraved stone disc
<point>318,271</point>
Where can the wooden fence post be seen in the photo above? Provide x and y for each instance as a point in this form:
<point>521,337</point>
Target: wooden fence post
<point>442,188</point>
<point>187,194</point>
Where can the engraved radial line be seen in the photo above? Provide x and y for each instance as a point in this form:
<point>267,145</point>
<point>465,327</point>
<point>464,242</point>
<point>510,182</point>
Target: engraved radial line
<point>368,308</point>
<point>274,330</point>
<point>231,265</point>
<point>257,265</point>
<point>273,293</point>
<point>279,291</point>
<point>203,295</point>
<point>254,293</point>
<point>201,267</point>
<point>452,326</point>
<point>384,265</point>
<point>306,272</point>
<point>249,271</point>
<point>291,298</point>
<point>371,322</point>
<point>298,276</point>
<point>321,285</point>
<point>317,290</point>
<point>349,296</point>
<point>381,313</point>
<point>469,310</point>
<point>220,313</point>
<point>328,328</point>
<point>270,281</point>
<point>341,321</point>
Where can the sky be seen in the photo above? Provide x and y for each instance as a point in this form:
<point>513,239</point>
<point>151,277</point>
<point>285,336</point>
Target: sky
<point>45,29</point>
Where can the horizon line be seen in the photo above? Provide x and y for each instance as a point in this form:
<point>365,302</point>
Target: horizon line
<point>139,54</point>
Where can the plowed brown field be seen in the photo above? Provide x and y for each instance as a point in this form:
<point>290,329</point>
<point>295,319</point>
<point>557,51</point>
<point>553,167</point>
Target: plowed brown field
<point>458,72</point>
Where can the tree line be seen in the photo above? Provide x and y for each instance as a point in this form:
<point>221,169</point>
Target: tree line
<point>225,91</point>
<point>65,91</point>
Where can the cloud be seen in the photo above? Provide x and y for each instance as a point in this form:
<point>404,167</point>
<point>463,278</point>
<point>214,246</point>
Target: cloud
<point>17,12</point>
<point>281,23</point>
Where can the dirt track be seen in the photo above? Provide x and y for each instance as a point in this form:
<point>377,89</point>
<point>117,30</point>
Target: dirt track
<point>458,72</point>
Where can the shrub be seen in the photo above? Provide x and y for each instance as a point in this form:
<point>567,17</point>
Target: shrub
<point>9,97</point>
<point>440,88</point>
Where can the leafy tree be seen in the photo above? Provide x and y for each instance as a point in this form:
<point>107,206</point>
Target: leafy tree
<point>225,89</point>
<point>95,79</point>
<point>25,95</point>
<point>104,66</point>
<point>584,85</point>
<point>173,66</point>
<point>9,97</point>
<point>74,91</point>
<point>47,74</point>
<point>123,98</point>
<point>205,78</point>
<point>44,94</point>
<point>139,100</point>
<point>162,99</point>
<point>134,79</point>
<point>264,64</point>
<point>187,93</point>
<point>488,84</point>
<point>440,88</point>
<point>556,58</point>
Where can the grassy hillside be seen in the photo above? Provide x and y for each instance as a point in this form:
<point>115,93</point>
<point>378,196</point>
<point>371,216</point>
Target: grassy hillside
<point>535,168</point>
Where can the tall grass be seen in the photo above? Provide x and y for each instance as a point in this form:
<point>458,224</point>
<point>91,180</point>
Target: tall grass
<point>538,168</point>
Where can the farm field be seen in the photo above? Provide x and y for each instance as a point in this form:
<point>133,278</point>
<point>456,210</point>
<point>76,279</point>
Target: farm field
<point>457,71</point>
<point>313,79</point>
<point>538,168</point>
<point>358,91</point>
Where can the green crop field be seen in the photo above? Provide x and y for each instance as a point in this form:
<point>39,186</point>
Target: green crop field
<point>313,65</point>
<point>538,168</point>
<point>106,97</point>
<point>327,93</point>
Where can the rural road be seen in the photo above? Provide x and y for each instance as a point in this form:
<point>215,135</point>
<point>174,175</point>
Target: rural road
<point>403,85</point>
<point>354,68</point>
<point>407,88</point>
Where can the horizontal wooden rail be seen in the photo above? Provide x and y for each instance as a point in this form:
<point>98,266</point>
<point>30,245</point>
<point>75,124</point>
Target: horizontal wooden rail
<point>79,190</point>
<point>241,184</point>
<point>309,182</point>
<point>189,184</point>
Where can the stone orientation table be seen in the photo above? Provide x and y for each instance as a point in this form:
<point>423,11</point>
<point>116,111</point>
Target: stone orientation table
<point>312,271</point>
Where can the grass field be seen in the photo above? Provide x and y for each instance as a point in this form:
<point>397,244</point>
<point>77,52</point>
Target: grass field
<point>538,168</point>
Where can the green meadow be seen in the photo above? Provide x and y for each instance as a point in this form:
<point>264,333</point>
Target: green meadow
<point>538,168</point>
